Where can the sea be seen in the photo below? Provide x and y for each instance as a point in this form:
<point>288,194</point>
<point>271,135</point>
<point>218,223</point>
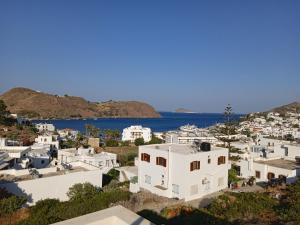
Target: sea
<point>167,121</point>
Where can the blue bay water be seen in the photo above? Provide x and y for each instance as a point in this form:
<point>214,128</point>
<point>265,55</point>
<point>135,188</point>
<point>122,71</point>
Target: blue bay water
<point>167,121</point>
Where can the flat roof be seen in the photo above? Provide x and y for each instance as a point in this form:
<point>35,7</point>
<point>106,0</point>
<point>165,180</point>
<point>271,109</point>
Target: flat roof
<point>280,163</point>
<point>117,215</point>
<point>15,149</point>
<point>6,178</point>
<point>180,148</point>
<point>130,169</point>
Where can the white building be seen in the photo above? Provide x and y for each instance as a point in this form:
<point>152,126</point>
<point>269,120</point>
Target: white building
<point>45,127</point>
<point>55,184</point>
<point>39,157</point>
<point>104,160</point>
<point>50,140</point>
<point>272,159</point>
<point>67,133</point>
<point>265,170</point>
<point>133,132</point>
<point>5,160</point>
<point>17,154</point>
<point>189,134</point>
<point>117,215</point>
<point>182,171</point>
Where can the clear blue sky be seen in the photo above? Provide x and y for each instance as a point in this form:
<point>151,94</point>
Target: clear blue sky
<point>199,55</point>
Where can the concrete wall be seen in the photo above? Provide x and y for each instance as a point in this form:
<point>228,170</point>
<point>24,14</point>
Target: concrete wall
<point>52,187</point>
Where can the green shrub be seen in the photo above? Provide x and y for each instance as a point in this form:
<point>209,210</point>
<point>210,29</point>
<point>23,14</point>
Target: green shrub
<point>139,141</point>
<point>82,192</point>
<point>241,205</point>
<point>112,143</point>
<point>85,199</point>
<point>11,204</point>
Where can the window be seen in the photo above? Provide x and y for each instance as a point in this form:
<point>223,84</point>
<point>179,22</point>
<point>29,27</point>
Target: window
<point>145,157</point>
<point>221,160</point>
<point>161,161</point>
<point>195,165</point>
<point>257,174</point>
<point>208,160</point>
<point>147,179</point>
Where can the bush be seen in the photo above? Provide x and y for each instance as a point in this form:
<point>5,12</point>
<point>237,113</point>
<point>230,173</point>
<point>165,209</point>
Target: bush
<point>11,204</point>
<point>232,176</point>
<point>49,211</point>
<point>112,143</point>
<point>289,209</point>
<point>155,140</point>
<point>139,141</point>
<point>235,206</point>
<point>82,192</point>
<point>125,143</point>
<point>114,174</point>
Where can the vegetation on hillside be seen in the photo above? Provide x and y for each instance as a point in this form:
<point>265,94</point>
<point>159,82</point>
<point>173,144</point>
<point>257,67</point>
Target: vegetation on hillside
<point>9,128</point>
<point>236,209</point>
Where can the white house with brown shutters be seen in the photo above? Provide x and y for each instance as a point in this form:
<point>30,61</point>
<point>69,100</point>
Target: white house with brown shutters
<point>182,171</point>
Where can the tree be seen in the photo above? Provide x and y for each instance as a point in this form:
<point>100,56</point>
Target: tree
<point>229,127</point>
<point>232,176</point>
<point>112,134</point>
<point>112,143</point>
<point>4,113</point>
<point>82,192</point>
<point>139,141</point>
<point>91,130</point>
<point>11,204</point>
<point>124,143</point>
<point>3,109</point>
<point>114,174</point>
<point>155,140</point>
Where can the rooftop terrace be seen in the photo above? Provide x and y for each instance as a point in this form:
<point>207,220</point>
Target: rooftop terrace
<point>281,163</point>
<point>179,148</point>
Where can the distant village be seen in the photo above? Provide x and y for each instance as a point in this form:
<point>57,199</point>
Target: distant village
<point>180,166</point>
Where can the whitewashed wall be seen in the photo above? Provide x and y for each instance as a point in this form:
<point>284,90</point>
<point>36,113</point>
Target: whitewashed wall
<point>22,172</point>
<point>52,187</point>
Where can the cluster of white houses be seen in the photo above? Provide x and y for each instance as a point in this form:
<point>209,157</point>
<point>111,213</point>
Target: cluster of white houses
<point>268,158</point>
<point>189,165</point>
<point>31,170</point>
<point>189,134</point>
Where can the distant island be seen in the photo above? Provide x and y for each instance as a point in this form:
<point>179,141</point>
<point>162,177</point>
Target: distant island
<point>183,110</point>
<point>39,105</point>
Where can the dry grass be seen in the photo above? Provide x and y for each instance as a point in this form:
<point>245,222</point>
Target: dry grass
<point>17,216</point>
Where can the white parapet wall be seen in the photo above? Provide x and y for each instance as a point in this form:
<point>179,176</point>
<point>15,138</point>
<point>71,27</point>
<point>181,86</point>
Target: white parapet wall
<point>23,172</point>
<point>52,187</point>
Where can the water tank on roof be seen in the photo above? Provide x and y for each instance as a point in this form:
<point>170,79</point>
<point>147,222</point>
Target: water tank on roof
<point>205,146</point>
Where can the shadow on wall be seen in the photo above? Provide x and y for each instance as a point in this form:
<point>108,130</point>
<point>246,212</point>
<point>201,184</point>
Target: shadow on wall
<point>196,217</point>
<point>12,187</point>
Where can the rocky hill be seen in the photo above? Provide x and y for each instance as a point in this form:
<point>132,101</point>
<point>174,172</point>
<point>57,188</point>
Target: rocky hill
<point>34,104</point>
<point>292,107</point>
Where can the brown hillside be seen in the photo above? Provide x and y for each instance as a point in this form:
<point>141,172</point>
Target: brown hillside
<point>292,107</point>
<point>35,104</point>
